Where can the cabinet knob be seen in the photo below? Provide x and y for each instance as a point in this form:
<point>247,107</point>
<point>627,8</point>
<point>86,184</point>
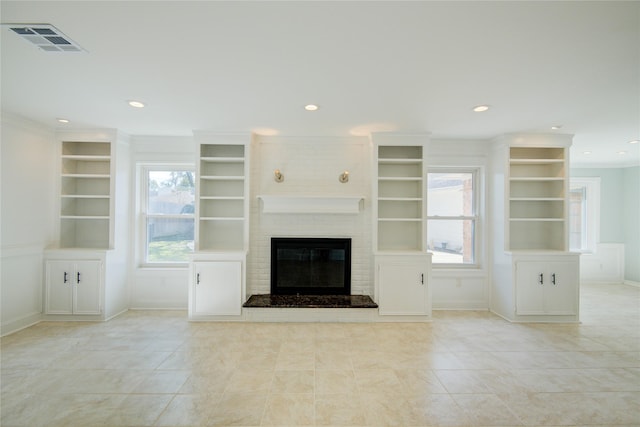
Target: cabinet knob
<point>197,278</point>
<point>553,278</point>
<point>541,279</point>
<point>422,278</point>
<point>65,278</point>
<point>78,277</point>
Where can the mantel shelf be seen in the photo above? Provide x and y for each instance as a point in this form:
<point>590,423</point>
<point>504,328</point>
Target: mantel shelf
<point>311,204</point>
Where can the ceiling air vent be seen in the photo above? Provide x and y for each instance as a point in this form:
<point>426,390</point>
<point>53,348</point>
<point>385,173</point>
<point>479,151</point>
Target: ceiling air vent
<point>45,36</point>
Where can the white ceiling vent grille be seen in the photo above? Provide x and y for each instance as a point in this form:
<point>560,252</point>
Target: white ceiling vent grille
<point>45,36</point>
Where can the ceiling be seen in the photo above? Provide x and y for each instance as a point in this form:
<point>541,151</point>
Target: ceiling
<point>370,66</point>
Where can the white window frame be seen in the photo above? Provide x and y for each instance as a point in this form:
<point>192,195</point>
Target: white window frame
<point>142,204</point>
<point>476,218</point>
<point>592,211</point>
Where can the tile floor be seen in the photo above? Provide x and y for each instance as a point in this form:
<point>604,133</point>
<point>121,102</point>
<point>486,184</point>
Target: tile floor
<point>462,369</point>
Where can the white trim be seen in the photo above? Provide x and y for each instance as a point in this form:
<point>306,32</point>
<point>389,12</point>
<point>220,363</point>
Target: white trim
<point>592,189</point>
<point>19,323</point>
<point>311,204</point>
<point>632,283</point>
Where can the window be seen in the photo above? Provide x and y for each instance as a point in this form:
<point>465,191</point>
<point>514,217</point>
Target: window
<point>452,216</point>
<point>584,214</point>
<point>167,214</point>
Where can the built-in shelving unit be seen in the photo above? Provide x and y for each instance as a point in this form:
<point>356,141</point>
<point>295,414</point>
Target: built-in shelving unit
<point>402,265</point>
<point>86,275</point>
<point>217,271</point>
<point>221,196</point>
<point>537,192</point>
<point>535,278</point>
<point>400,198</point>
<point>85,195</point>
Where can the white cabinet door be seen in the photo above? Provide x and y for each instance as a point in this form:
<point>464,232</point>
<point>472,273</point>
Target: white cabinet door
<point>561,292</point>
<point>59,287</point>
<point>546,288</point>
<point>87,289</point>
<point>403,287</point>
<point>73,287</point>
<point>217,288</point>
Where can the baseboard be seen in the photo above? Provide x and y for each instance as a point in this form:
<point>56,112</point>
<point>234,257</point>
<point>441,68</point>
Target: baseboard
<point>113,316</point>
<point>15,325</point>
<point>460,306</point>
<point>632,283</point>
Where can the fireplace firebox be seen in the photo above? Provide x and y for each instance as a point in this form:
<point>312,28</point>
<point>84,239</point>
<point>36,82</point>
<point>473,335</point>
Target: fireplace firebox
<point>310,266</point>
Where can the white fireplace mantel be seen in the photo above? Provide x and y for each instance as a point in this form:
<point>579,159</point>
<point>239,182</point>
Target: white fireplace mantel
<point>311,204</point>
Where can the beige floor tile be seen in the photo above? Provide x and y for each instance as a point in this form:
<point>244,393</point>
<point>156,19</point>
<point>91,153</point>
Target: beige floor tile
<point>381,409</point>
<point>206,382</point>
<point>339,410</point>
<point>139,410</point>
<point>377,380</point>
<point>486,409</point>
<point>296,360</point>
<point>289,410</point>
<point>188,410</point>
<point>437,410</point>
<point>462,369</point>
<point>462,381</point>
<point>249,381</point>
<point>239,409</point>
<point>335,382</point>
<point>297,381</point>
<point>333,359</point>
<point>417,382</point>
<point>162,382</point>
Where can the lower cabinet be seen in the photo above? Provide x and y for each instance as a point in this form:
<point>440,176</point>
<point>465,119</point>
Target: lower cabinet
<point>547,288</point>
<point>532,286</point>
<point>216,287</point>
<point>73,287</point>
<point>402,283</point>
<point>85,284</point>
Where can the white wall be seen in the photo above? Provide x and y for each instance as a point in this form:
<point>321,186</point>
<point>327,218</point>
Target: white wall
<point>27,158</point>
<point>311,167</point>
<point>161,288</point>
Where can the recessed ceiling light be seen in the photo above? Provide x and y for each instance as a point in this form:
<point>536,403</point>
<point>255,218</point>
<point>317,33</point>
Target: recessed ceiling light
<point>480,108</point>
<point>311,107</point>
<point>63,120</point>
<point>586,153</point>
<point>635,141</point>
<point>622,153</point>
<point>556,127</point>
<point>136,104</point>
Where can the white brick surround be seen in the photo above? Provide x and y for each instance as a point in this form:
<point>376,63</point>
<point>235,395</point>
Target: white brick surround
<point>311,167</point>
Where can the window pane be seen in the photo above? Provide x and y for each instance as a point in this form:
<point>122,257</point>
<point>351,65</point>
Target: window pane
<point>169,239</point>
<point>171,192</point>
<point>450,194</point>
<point>451,241</point>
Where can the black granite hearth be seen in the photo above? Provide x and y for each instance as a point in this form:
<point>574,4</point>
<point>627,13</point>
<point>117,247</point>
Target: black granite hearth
<point>310,301</point>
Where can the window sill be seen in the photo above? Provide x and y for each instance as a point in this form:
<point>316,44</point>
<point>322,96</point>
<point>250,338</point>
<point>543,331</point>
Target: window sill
<point>164,266</point>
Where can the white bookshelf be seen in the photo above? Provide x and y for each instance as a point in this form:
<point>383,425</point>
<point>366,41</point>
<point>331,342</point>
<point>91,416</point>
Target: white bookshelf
<point>221,197</point>
<point>535,277</point>
<point>86,269</point>
<point>400,197</point>
<point>402,265</point>
<point>537,197</point>
<point>85,194</point>
<point>217,278</point>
